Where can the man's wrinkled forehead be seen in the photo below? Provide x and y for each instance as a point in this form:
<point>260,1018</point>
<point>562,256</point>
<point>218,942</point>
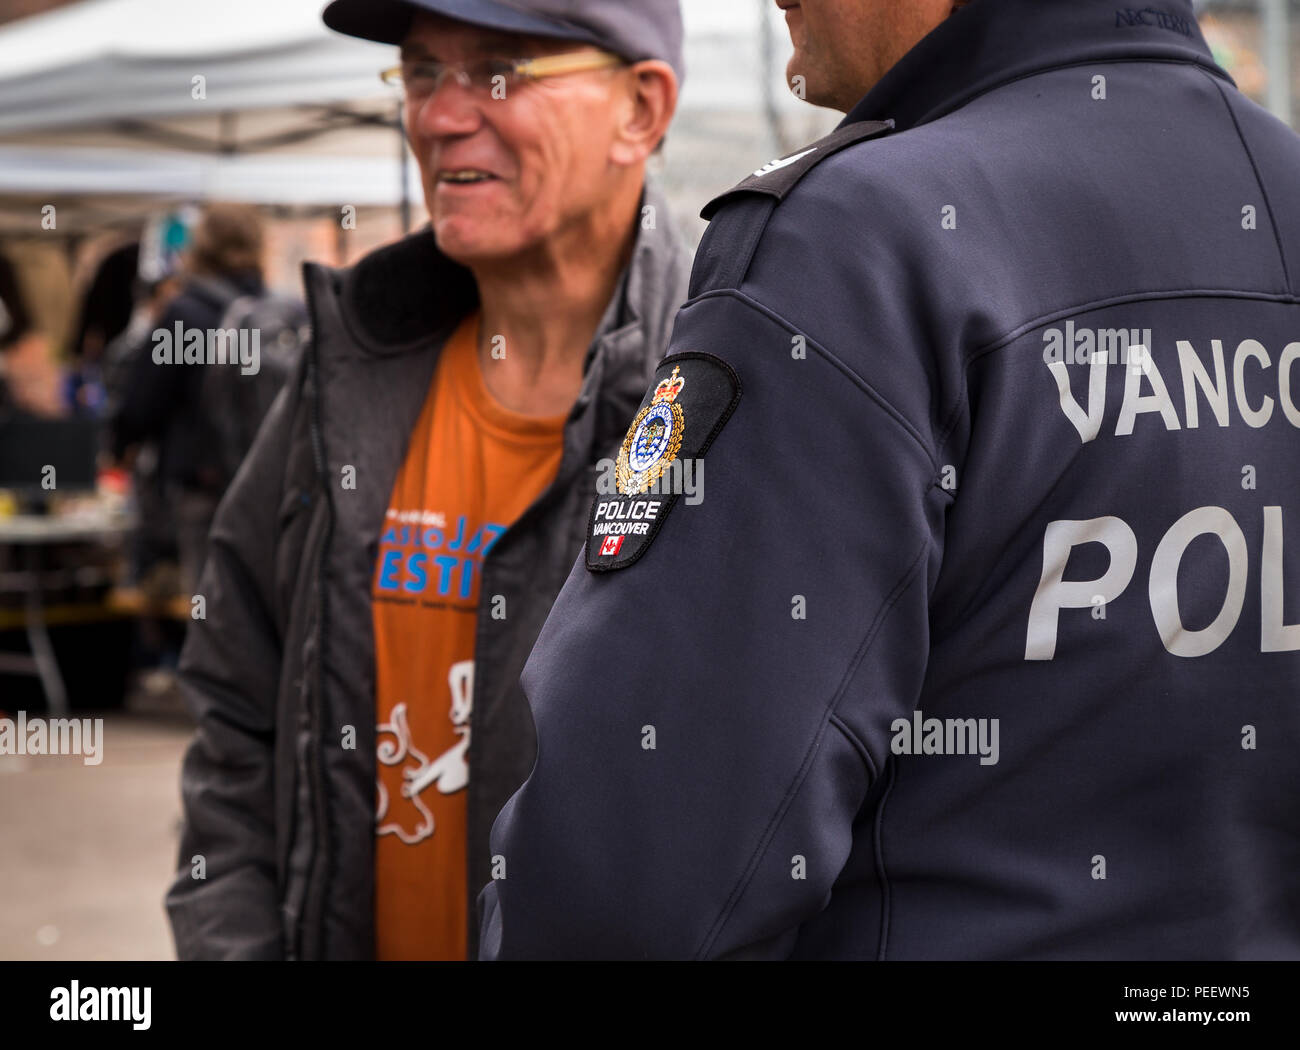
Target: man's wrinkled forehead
<point>431,36</point>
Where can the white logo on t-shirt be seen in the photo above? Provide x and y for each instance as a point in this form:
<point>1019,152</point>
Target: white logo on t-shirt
<point>449,772</point>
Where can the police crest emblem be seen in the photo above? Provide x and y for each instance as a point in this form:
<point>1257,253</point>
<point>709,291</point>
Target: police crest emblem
<point>653,440</point>
<point>659,463</point>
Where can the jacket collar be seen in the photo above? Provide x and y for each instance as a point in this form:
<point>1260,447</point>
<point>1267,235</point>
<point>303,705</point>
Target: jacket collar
<point>993,42</point>
<point>633,333</point>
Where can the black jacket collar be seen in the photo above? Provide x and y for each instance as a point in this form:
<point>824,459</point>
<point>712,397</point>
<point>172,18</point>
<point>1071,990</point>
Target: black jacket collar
<point>993,42</point>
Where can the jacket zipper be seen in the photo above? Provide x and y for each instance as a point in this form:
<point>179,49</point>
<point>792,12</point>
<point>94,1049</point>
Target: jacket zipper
<point>320,831</point>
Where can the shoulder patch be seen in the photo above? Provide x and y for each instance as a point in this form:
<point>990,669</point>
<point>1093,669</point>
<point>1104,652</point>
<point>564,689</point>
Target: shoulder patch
<point>661,457</point>
<point>779,177</point>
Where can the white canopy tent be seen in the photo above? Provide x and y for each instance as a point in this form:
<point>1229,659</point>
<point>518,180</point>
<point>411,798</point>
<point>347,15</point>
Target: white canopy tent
<point>98,110</point>
<point>115,102</point>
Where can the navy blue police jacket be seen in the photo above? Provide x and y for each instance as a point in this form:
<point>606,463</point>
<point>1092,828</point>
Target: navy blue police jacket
<point>979,636</point>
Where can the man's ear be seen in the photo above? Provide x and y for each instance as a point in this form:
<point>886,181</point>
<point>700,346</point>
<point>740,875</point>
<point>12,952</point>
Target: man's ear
<point>651,102</point>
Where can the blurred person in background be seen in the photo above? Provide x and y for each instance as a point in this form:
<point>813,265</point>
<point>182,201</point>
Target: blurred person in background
<point>386,556</point>
<point>153,554</point>
<point>162,404</point>
<point>14,325</point>
<point>107,306</point>
<point>29,377</point>
<point>106,310</point>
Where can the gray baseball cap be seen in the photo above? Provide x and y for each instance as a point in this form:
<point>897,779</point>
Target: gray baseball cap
<point>641,29</point>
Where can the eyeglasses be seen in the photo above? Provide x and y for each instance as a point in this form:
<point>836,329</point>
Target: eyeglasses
<point>493,76</point>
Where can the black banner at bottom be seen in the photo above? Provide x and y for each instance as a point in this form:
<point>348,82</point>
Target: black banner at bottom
<point>252,1000</point>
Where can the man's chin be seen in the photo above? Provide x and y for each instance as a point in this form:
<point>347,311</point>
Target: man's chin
<point>794,74</point>
<point>813,89</point>
<point>468,255</point>
<point>470,249</point>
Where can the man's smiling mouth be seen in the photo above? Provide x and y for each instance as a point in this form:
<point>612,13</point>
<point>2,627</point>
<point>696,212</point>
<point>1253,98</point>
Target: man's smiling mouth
<point>464,176</point>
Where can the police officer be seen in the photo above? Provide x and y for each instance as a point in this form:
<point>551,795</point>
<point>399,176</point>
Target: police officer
<point>982,637</point>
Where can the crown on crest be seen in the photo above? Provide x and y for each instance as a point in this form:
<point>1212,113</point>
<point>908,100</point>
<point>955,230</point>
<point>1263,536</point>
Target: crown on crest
<point>669,388</point>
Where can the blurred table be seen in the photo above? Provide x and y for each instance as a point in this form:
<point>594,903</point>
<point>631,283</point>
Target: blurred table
<point>32,535</point>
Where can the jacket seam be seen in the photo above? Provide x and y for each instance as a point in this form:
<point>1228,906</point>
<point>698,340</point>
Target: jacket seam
<point>944,109</point>
<point>322,850</point>
<point>290,921</point>
<point>814,747</point>
<point>862,384</point>
<point>1259,181</point>
<point>1003,341</point>
<point>857,743</point>
<point>882,869</point>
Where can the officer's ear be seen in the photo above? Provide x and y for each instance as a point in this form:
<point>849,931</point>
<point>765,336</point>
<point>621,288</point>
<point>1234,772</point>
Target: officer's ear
<point>646,110</point>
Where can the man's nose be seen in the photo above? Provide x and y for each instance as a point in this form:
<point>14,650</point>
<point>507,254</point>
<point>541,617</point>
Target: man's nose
<point>451,109</point>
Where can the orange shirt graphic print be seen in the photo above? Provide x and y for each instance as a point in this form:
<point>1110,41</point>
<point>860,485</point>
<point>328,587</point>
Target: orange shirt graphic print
<point>448,773</point>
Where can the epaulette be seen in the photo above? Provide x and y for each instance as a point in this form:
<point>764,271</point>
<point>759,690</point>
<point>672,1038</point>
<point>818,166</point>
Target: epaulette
<point>779,177</point>
<point>733,235</point>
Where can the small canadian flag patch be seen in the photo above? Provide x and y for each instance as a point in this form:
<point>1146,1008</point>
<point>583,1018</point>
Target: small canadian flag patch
<point>611,546</point>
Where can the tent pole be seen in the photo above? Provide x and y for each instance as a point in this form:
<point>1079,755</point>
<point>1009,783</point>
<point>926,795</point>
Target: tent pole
<point>767,74</point>
<point>401,171</point>
<point>1277,53</point>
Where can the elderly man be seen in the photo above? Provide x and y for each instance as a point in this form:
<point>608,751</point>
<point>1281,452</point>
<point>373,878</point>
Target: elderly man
<point>983,642</point>
<point>385,559</point>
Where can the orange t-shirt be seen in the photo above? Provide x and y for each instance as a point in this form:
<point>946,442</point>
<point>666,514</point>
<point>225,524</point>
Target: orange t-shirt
<point>472,468</point>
